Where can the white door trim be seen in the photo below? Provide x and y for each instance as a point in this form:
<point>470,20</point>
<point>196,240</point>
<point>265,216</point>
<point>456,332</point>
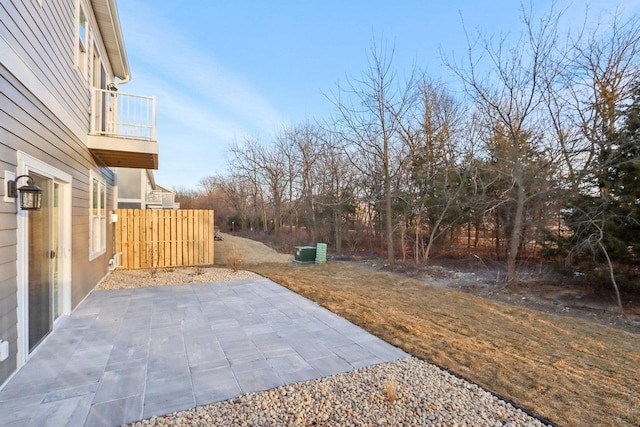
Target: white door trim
<point>27,164</point>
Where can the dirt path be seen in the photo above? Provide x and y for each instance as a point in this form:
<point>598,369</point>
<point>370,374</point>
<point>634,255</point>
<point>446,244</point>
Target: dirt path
<point>251,252</point>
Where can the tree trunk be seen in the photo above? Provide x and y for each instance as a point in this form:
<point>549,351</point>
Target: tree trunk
<point>403,243</point>
<point>477,234</point>
<point>388,219</point>
<point>417,239</point>
<point>337,229</point>
<point>612,276</point>
<point>497,235</point>
<point>516,238</point>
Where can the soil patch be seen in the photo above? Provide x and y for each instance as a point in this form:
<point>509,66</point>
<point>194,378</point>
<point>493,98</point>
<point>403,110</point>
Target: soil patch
<point>250,251</point>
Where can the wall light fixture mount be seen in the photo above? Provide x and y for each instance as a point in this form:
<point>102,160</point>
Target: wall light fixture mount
<point>30,194</point>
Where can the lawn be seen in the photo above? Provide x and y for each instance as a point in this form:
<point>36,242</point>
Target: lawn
<point>570,371</point>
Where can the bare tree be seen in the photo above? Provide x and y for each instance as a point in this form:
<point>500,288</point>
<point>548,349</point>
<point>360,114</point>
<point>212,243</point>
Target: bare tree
<point>601,78</point>
<point>238,196</point>
<point>430,130</point>
<point>505,83</point>
<point>287,156</point>
<point>367,123</point>
<point>265,167</point>
<point>336,184</point>
<point>307,140</point>
<point>603,215</point>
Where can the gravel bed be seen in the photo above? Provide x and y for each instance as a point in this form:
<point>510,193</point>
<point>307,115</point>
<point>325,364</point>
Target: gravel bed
<point>407,392</point>
<point>127,279</point>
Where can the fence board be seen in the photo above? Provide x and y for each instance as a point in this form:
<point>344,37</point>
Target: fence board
<point>136,235</point>
<point>148,245</point>
<point>179,238</point>
<point>164,238</point>
<point>174,246</point>
<point>190,247</point>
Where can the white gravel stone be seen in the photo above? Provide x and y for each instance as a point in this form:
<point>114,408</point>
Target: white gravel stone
<point>127,279</point>
<point>425,395</point>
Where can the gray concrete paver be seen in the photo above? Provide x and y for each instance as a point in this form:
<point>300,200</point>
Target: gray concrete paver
<point>215,385</point>
<point>115,412</point>
<point>18,410</point>
<point>119,384</point>
<point>253,380</point>
<point>128,354</point>
<point>330,365</point>
<point>166,395</point>
<point>67,412</point>
<point>68,393</point>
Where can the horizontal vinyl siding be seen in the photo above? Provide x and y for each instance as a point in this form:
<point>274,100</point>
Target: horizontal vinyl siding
<point>8,316</point>
<point>8,255</point>
<point>11,335</point>
<point>8,224</point>
<point>8,270</point>
<point>44,113</point>
<point>44,37</point>
<point>90,271</point>
<point>7,160</point>
<point>7,305</point>
<point>26,125</point>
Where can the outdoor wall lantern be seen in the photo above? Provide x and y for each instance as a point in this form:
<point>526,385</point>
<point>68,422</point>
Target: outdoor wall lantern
<point>30,195</point>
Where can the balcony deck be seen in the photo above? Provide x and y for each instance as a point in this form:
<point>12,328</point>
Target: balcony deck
<point>123,130</point>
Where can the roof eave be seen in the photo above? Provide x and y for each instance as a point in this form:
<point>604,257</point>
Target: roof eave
<point>106,13</point>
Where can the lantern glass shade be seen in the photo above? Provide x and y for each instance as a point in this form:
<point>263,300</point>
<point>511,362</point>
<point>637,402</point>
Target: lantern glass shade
<point>30,197</point>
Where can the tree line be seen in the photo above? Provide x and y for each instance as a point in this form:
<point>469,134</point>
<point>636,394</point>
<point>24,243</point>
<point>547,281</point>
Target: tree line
<point>537,155</point>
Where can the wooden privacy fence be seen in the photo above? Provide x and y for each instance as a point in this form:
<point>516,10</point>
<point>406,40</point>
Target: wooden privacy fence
<point>149,238</point>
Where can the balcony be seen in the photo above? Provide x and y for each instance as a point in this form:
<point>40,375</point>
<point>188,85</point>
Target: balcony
<point>123,130</point>
<point>159,199</point>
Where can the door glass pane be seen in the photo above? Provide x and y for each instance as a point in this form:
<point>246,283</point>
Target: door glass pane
<point>57,300</point>
<point>39,229</point>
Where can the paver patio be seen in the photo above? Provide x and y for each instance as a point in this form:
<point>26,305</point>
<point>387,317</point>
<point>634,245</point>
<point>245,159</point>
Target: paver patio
<point>124,355</point>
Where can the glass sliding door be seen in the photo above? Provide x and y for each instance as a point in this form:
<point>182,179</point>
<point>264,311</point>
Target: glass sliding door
<point>57,251</point>
<point>42,254</point>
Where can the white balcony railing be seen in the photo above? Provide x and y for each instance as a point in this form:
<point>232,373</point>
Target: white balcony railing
<point>123,115</point>
<point>165,199</point>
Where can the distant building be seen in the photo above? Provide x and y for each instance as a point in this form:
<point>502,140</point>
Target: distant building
<point>137,189</point>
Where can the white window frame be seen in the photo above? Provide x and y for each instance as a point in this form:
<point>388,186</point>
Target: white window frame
<point>97,216</point>
<point>82,43</point>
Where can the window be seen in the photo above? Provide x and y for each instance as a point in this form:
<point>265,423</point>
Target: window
<point>97,217</point>
<point>83,41</point>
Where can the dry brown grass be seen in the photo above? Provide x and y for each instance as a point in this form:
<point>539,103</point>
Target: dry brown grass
<point>571,371</point>
<point>391,390</point>
<point>234,260</point>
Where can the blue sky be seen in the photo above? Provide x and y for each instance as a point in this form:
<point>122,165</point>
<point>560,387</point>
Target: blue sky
<point>225,70</point>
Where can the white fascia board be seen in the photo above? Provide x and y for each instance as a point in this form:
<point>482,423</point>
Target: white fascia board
<point>106,14</point>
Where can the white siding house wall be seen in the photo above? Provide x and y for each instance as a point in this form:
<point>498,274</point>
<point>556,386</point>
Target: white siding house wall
<point>45,114</point>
